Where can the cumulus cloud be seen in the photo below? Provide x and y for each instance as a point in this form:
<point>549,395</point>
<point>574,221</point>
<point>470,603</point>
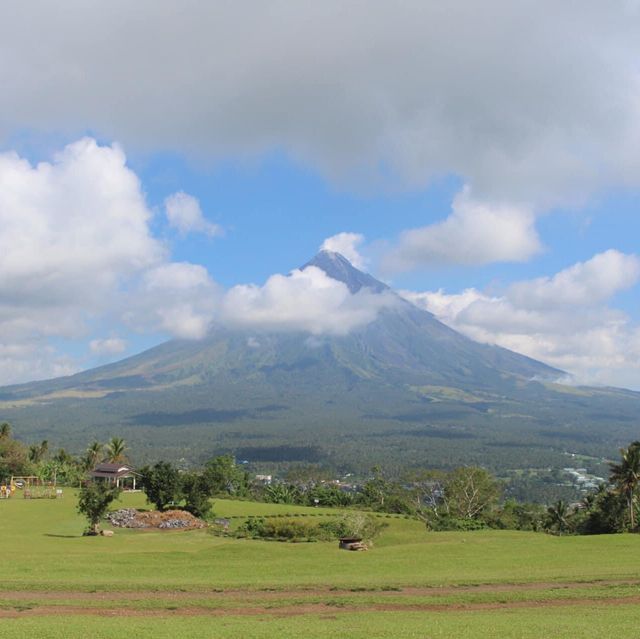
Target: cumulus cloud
<point>74,243</point>
<point>184,213</point>
<point>583,284</point>
<point>71,228</point>
<point>563,320</point>
<point>533,102</point>
<point>108,346</point>
<point>33,359</point>
<point>475,233</point>
<point>347,245</point>
<point>306,300</point>
<point>177,298</point>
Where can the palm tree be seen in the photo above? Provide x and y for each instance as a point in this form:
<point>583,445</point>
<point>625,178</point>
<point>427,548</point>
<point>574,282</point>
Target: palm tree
<point>93,455</point>
<point>37,452</point>
<point>626,476</point>
<point>115,450</point>
<point>558,514</point>
<point>63,457</point>
<point>588,502</point>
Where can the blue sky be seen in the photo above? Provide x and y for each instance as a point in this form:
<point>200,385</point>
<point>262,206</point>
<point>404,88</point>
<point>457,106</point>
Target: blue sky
<point>489,174</point>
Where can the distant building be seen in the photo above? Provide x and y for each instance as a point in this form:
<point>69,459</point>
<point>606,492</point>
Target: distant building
<point>122,475</point>
<point>263,479</point>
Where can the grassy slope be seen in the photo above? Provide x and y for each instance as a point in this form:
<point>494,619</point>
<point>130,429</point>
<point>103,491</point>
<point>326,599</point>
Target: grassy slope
<point>42,551</point>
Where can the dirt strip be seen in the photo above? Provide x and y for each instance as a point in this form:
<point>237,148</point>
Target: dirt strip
<point>170,595</point>
<point>309,608</point>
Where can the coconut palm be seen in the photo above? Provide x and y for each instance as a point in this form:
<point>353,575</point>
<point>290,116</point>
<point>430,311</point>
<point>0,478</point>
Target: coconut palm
<point>37,452</point>
<point>115,450</point>
<point>625,476</point>
<point>588,502</point>
<point>93,455</point>
<point>558,516</point>
<point>63,457</point>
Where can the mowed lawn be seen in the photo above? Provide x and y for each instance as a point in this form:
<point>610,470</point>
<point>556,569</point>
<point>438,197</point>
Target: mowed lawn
<point>412,583</point>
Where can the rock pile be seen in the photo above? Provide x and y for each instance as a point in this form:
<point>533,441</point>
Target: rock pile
<point>123,518</point>
<point>168,520</point>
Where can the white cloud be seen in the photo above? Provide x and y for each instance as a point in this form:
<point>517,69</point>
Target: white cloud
<point>347,245</point>
<point>475,233</point>
<point>178,298</point>
<point>71,228</point>
<point>307,300</point>
<point>563,320</point>
<point>583,284</point>
<point>35,359</point>
<point>184,213</point>
<point>533,102</point>
<point>108,346</point>
<point>75,243</point>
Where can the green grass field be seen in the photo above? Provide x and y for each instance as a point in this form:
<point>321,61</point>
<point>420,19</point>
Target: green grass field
<point>56,583</point>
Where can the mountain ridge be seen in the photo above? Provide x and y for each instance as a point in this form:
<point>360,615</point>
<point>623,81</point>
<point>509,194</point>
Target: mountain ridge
<point>404,378</point>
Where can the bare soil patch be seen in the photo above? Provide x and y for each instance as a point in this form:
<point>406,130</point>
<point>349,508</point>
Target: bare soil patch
<point>307,608</point>
<point>248,594</point>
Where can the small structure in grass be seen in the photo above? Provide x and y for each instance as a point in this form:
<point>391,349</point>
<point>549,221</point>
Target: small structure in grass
<point>352,543</point>
<point>120,475</point>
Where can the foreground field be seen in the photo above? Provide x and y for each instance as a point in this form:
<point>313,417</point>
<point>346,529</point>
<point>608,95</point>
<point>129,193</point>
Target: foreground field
<point>56,583</point>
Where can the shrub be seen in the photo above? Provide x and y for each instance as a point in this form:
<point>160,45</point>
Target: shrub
<point>453,523</point>
<point>354,524</point>
<point>281,529</point>
<point>197,494</point>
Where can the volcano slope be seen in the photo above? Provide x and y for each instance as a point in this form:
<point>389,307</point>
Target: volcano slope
<point>402,389</point>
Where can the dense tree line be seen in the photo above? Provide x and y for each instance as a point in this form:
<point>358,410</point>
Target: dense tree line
<point>468,497</point>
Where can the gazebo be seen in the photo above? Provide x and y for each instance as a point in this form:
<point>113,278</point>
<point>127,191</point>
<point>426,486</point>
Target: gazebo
<point>122,475</point>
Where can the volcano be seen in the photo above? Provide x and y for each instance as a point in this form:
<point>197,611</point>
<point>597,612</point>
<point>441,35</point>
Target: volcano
<point>404,387</point>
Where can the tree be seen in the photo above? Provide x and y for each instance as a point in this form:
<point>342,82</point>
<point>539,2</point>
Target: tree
<point>63,457</point>
<point>14,458</point>
<point>37,452</point>
<point>94,501</point>
<point>425,489</point>
<point>376,489</point>
<point>282,494</point>
<point>115,450</point>
<point>469,492</point>
<point>161,484</point>
<point>93,455</point>
<point>607,515</point>
<point>5,430</point>
<point>626,475</point>
<point>328,495</point>
<point>558,517</point>
<point>196,491</point>
<point>225,476</point>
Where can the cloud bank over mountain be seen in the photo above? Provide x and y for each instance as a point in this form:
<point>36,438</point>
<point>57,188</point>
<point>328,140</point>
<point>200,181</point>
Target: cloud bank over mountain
<point>564,320</point>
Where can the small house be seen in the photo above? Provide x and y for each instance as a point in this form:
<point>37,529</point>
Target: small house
<point>122,475</point>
